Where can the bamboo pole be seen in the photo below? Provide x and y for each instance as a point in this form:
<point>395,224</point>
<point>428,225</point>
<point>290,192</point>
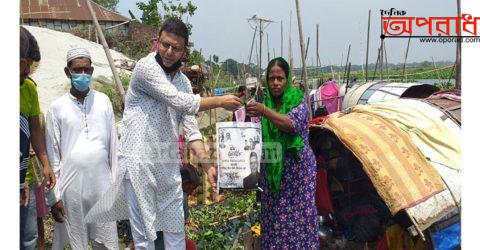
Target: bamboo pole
<point>348,73</point>
<point>281,38</point>
<point>317,51</point>
<point>381,52</point>
<point>458,61</point>
<point>260,56</point>
<point>386,59</point>
<point>405,61</point>
<point>304,65</point>
<point>118,83</point>
<point>376,64</point>
<point>290,51</point>
<point>268,49</point>
<point>368,43</point>
<point>251,47</point>
<point>346,62</point>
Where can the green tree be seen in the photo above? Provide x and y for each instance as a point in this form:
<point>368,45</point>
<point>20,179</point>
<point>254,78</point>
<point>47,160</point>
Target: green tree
<point>196,58</point>
<point>150,13</point>
<point>109,4</point>
<point>171,8</point>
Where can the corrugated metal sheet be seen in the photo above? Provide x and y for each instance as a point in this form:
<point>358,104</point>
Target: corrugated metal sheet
<point>65,10</point>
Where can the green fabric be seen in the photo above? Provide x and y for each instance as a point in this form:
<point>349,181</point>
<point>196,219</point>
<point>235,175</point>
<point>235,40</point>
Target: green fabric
<point>291,143</point>
<point>29,106</point>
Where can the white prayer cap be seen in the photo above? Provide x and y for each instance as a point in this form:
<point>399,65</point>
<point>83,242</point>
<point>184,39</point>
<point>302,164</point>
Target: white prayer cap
<point>77,53</point>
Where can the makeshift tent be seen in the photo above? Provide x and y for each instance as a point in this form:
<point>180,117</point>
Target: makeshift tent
<point>379,176</point>
<point>373,92</point>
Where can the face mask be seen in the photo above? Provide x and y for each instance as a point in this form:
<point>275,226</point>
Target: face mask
<point>81,81</point>
<point>166,69</point>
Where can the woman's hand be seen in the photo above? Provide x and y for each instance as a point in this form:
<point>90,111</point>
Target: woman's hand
<point>255,109</point>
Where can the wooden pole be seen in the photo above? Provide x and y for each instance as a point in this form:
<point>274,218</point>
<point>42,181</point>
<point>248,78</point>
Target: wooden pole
<point>268,49</point>
<point>348,73</point>
<point>368,43</point>
<point>317,51</point>
<point>290,51</point>
<point>458,61</point>
<point>386,59</point>
<point>260,55</point>
<point>381,52</point>
<point>346,62</point>
<point>118,83</point>
<point>281,38</point>
<point>304,65</point>
<point>405,61</point>
<point>376,64</point>
<point>251,47</point>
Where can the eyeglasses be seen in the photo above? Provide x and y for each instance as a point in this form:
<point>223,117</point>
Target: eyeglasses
<point>82,70</point>
<point>166,46</point>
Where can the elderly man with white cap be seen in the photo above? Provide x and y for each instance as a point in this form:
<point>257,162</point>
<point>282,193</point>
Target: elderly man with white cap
<point>81,140</point>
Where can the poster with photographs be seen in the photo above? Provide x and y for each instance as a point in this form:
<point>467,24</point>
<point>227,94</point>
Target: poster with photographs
<point>239,150</point>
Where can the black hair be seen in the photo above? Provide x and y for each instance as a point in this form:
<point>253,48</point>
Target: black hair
<point>28,45</point>
<point>280,63</point>
<point>189,174</point>
<point>241,88</point>
<point>176,26</point>
<point>253,154</point>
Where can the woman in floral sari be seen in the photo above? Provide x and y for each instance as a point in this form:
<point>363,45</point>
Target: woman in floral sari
<point>288,213</point>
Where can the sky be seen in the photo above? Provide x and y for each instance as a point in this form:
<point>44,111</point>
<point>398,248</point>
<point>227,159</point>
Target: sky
<point>220,27</point>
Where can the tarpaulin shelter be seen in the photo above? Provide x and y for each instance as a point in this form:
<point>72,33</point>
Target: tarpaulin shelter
<point>397,160</point>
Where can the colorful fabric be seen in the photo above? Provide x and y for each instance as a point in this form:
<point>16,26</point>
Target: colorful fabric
<point>426,130</point>
<point>400,173</point>
<point>329,93</point>
<point>24,148</point>
<point>289,220</point>
<point>292,97</point>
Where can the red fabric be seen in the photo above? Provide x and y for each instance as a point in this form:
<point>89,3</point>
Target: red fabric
<point>317,120</point>
<point>322,196</point>
<point>382,244</point>
<point>190,244</point>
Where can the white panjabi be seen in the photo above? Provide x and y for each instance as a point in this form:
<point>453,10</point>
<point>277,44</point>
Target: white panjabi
<point>81,146</point>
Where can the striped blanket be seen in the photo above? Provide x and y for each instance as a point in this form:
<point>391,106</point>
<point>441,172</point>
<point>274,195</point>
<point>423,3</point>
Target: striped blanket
<point>399,172</point>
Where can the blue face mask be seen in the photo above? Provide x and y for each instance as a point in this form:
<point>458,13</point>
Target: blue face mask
<point>81,81</point>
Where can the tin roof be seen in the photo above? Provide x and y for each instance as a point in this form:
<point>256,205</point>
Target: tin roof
<point>66,10</point>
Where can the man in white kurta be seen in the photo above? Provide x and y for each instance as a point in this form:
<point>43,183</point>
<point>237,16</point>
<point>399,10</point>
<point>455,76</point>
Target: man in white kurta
<point>81,145</point>
<point>148,187</point>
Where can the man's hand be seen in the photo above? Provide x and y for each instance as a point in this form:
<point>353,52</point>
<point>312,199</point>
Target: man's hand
<point>255,109</point>
<point>25,196</point>
<point>50,179</point>
<point>230,102</point>
<point>58,212</point>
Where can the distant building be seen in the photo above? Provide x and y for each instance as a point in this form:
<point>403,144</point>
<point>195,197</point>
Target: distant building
<point>65,15</point>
